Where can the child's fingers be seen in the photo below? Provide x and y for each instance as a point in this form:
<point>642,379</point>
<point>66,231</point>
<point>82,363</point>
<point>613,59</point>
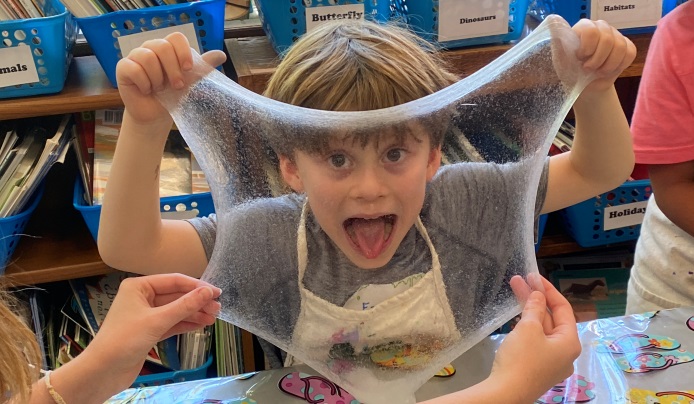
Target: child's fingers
<point>520,289</point>
<point>603,48</point>
<point>588,38</point>
<point>181,47</point>
<point>168,61</point>
<point>523,289</point>
<point>562,313</point>
<point>214,57</point>
<point>142,69</point>
<point>535,308</point>
<point>616,56</point>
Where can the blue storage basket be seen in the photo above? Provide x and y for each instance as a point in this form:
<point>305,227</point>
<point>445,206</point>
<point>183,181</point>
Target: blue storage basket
<point>284,21</point>
<point>102,31</point>
<point>574,10</point>
<point>540,230</point>
<point>201,203</point>
<point>585,221</point>
<point>11,229</point>
<point>423,18</point>
<point>159,379</point>
<point>50,39</point>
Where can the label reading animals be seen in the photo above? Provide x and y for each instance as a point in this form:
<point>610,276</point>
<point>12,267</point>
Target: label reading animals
<point>17,66</point>
<point>462,19</point>
<point>316,16</point>
<point>629,214</point>
<point>627,13</point>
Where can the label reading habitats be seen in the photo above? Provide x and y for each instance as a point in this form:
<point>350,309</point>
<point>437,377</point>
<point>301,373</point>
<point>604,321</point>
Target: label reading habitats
<point>17,66</point>
<point>462,19</point>
<point>318,15</point>
<point>629,214</point>
<point>132,41</point>
<point>627,13</point>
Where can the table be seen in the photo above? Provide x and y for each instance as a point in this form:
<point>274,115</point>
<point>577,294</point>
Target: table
<point>596,364</point>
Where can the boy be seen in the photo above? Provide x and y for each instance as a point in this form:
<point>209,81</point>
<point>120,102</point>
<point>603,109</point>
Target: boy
<point>368,203</point>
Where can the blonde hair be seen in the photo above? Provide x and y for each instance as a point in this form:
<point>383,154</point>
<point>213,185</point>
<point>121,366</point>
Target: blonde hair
<point>20,358</point>
<point>356,66</point>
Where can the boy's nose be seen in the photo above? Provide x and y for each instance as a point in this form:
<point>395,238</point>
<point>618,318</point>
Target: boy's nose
<point>369,185</point>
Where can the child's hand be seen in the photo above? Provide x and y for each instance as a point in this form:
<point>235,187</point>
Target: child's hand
<point>531,359</point>
<point>150,68</point>
<point>145,311</point>
<point>603,51</point>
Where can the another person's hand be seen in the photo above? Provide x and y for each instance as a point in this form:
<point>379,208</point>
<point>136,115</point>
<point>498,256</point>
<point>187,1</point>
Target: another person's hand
<point>604,51</point>
<point>156,64</point>
<point>147,310</point>
<point>532,358</point>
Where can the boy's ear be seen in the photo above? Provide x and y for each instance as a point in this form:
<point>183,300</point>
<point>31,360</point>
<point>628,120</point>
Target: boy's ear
<point>290,174</point>
<point>434,162</point>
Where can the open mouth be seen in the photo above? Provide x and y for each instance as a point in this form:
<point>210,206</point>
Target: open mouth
<point>371,236</point>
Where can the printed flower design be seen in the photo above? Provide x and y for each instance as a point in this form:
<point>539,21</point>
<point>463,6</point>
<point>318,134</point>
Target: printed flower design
<point>654,342</point>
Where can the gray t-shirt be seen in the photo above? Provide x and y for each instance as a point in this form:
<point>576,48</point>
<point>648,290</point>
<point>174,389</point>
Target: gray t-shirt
<point>465,211</point>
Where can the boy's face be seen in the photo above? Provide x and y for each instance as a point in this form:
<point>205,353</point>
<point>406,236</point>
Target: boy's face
<point>365,198</point>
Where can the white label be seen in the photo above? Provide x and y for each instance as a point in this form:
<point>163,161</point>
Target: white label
<point>132,41</point>
<point>17,66</point>
<point>629,214</point>
<point>461,19</point>
<point>627,13</point>
<point>315,16</point>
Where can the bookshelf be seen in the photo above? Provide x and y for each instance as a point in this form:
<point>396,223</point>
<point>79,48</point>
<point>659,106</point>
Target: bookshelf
<point>72,253</point>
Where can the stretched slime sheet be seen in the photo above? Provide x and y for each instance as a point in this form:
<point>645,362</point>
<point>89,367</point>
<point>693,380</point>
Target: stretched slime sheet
<point>282,278</point>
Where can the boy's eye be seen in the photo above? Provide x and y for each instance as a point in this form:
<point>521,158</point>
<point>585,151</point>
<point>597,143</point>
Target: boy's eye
<point>338,160</point>
<point>395,155</point>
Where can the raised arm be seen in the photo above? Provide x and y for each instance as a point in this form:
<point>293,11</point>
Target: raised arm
<point>602,156</point>
<point>132,235</point>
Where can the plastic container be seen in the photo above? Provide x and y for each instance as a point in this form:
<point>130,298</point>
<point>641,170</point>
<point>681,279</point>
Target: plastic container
<point>196,204</point>
<point>574,10</point>
<point>12,227</point>
<point>102,32</point>
<point>50,40</point>
<point>284,21</point>
<point>159,379</point>
<point>592,222</point>
<point>542,223</point>
<point>423,18</point>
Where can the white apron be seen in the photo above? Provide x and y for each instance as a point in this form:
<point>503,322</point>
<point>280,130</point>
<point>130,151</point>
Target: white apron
<point>403,331</point>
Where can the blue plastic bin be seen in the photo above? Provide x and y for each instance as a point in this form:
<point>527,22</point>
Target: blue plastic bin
<point>423,18</point>
<point>540,230</point>
<point>159,379</point>
<point>201,204</point>
<point>50,39</point>
<point>585,221</point>
<point>574,10</point>
<point>11,229</point>
<point>284,21</point>
<point>102,32</point>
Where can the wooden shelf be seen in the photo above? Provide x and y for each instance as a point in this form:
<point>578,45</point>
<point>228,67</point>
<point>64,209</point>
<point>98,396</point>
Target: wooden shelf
<point>254,60</point>
<point>86,88</point>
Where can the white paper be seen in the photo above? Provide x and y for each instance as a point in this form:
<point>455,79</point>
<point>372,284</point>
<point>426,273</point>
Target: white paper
<point>132,41</point>
<point>627,13</point>
<point>629,214</point>
<point>461,19</point>
<point>17,66</point>
<point>318,15</point>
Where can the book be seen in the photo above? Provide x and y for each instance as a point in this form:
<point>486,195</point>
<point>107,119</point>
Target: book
<point>94,297</point>
<point>175,168</point>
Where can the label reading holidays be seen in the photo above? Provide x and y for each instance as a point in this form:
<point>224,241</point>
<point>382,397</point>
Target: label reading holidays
<point>627,13</point>
<point>629,214</point>
<point>462,19</point>
<point>318,15</point>
<point>17,66</point>
<point>132,41</point>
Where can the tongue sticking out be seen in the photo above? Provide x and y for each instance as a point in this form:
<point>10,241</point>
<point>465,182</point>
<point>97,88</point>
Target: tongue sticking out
<point>369,235</point>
